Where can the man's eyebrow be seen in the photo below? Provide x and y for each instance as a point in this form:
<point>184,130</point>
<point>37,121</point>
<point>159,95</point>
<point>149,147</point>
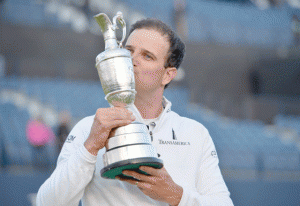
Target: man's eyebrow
<point>143,50</point>
<point>148,52</point>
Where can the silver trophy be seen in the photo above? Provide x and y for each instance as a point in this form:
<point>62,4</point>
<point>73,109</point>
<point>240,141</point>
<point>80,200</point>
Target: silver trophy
<point>128,147</point>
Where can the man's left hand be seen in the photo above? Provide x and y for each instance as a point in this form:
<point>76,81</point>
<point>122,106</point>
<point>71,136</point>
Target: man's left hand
<point>158,184</point>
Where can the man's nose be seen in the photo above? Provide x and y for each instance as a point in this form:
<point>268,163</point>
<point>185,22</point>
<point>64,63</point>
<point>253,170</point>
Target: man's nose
<point>134,60</point>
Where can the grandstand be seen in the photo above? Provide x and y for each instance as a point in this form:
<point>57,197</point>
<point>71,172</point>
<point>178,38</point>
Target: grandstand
<point>241,144</point>
<point>233,138</point>
<point>260,162</point>
<point>233,24</point>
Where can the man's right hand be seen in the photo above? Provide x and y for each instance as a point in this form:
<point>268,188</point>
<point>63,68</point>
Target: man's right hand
<point>105,120</point>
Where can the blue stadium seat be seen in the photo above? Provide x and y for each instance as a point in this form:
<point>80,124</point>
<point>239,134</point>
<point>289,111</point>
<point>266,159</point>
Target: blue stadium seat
<point>24,12</point>
<point>10,137</point>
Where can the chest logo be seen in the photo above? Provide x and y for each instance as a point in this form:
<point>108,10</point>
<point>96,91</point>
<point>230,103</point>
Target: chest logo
<point>173,142</point>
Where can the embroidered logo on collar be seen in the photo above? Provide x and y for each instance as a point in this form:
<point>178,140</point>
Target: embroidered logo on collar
<point>214,153</point>
<point>70,138</point>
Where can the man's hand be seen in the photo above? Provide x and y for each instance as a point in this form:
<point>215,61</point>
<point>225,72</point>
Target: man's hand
<point>158,184</point>
<point>105,120</point>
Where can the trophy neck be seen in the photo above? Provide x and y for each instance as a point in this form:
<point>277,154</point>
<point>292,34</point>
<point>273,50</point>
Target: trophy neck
<point>110,39</point>
<point>110,43</point>
<point>108,31</point>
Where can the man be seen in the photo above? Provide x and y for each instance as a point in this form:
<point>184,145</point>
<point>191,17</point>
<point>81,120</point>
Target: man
<point>63,129</point>
<point>190,175</point>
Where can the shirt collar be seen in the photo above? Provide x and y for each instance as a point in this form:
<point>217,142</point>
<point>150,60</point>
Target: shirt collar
<point>166,105</point>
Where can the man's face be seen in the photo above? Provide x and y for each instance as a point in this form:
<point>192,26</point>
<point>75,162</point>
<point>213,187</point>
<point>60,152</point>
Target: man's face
<point>149,52</point>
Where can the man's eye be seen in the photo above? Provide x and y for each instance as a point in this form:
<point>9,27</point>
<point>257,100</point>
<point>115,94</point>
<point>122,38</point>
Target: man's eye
<point>148,57</point>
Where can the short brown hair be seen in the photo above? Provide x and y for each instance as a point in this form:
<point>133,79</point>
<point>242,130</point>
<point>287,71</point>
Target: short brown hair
<point>177,47</point>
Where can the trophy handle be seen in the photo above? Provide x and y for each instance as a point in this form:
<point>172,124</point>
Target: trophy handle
<point>121,21</point>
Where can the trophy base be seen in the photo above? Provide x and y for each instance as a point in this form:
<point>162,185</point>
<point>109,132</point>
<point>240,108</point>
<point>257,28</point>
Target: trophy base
<point>115,169</point>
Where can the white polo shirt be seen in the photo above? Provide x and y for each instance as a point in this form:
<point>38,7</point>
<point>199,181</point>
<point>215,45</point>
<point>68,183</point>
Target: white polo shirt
<point>184,145</point>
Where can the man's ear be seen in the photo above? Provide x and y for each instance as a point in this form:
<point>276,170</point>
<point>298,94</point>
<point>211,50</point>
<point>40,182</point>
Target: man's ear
<point>169,75</point>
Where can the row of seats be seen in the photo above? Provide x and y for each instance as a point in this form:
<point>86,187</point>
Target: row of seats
<point>240,144</point>
<point>14,147</point>
<point>247,144</point>
<point>81,98</point>
<point>288,121</point>
<point>224,22</point>
<point>227,23</point>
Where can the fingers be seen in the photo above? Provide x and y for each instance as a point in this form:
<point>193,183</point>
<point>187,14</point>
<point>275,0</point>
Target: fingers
<point>151,171</point>
<point>159,187</point>
<point>140,184</point>
<point>153,179</point>
<point>130,181</point>
<point>114,113</point>
<point>152,176</point>
<point>110,118</point>
<point>144,185</point>
<point>135,175</point>
<point>118,123</point>
<point>105,120</point>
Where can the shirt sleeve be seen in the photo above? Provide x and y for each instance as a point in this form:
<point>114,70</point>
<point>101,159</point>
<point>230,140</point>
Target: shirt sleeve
<point>210,188</point>
<point>74,170</point>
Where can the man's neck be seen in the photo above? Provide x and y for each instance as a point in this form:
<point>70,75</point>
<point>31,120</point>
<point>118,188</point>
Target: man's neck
<point>149,105</point>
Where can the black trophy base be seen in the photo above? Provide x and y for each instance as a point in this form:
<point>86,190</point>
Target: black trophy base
<point>115,169</point>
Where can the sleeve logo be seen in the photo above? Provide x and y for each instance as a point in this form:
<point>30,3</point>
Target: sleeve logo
<point>214,153</point>
<point>70,138</point>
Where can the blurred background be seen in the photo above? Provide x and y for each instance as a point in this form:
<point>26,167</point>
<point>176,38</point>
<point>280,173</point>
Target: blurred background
<point>240,78</point>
